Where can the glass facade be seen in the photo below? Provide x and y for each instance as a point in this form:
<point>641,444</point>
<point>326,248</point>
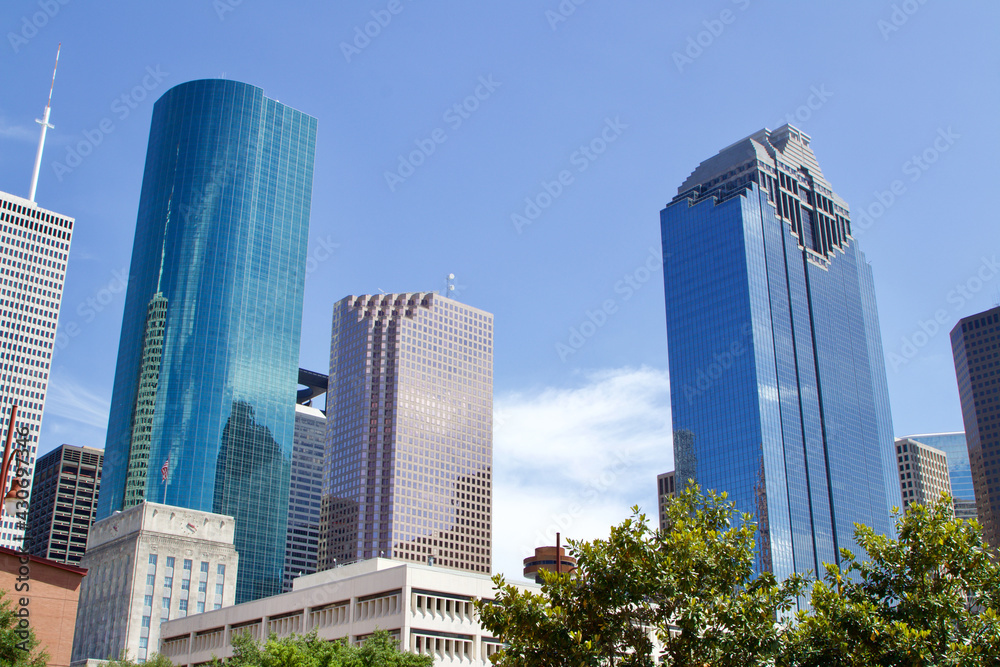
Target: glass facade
<point>205,384</point>
<point>975,342</point>
<point>959,471</point>
<point>778,388</point>
<point>410,425</point>
<point>309,447</point>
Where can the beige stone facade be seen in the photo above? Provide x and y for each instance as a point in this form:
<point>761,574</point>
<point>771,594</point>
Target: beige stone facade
<point>923,472</point>
<point>146,565</point>
<point>429,609</point>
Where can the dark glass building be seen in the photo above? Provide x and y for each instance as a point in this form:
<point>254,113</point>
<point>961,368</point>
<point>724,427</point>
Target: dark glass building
<point>64,503</point>
<point>203,409</point>
<point>974,342</point>
<point>777,378</point>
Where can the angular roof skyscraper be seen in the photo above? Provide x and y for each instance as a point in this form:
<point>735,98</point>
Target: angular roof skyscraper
<point>203,409</point>
<point>778,386</point>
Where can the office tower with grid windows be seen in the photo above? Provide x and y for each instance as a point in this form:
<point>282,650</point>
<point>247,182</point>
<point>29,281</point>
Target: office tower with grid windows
<point>923,472</point>
<point>959,473</point>
<point>308,449</point>
<point>777,378</point>
<point>665,491</point>
<point>409,466</point>
<point>65,486</point>
<point>147,565</point>
<point>34,247</point>
<point>975,343</point>
<point>203,407</point>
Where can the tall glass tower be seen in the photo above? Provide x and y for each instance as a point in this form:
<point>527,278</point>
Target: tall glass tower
<point>203,409</point>
<point>777,378</point>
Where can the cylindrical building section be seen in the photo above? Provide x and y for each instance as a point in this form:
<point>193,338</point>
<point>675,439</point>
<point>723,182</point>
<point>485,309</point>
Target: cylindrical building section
<point>546,558</point>
<point>203,408</point>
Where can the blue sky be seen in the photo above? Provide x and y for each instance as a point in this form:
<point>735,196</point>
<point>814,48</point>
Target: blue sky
<point>665,85</point>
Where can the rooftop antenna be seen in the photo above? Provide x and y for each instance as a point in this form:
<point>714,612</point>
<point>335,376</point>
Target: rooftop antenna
<point>44,122</point>
<point>449,285</point>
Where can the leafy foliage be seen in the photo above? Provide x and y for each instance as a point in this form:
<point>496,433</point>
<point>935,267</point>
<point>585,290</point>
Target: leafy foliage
<point>379,650</point>
<point>690,586</point>
<point>155,660</point>
<point>17,649</point>
<point>930,597</point>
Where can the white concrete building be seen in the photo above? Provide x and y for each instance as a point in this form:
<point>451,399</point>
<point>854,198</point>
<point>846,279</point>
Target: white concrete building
<point>428,608</point>
<point>34,249</point>
<point>308,448</point>
<point>147,564</point>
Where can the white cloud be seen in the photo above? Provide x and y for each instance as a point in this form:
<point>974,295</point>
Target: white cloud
<point>70,400</point>
<point>576,459</point>
<point>17,132</point>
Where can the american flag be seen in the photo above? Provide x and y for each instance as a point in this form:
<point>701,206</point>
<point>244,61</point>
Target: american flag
<point>165,469</point>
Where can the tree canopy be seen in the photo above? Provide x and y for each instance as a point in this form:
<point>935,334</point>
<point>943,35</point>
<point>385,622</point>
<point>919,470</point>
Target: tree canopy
<point>379,650</point>
<point>692,587</point>
<point>928,597</point>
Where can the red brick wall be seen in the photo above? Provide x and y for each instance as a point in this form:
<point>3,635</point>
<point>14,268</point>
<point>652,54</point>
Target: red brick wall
<point>52,596</point>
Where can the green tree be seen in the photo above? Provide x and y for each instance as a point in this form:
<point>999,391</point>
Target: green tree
<point>691,586</point>
<point>17,645</point>
<point>929,597</point>
<point>379,650</point>
<point>155,660</point>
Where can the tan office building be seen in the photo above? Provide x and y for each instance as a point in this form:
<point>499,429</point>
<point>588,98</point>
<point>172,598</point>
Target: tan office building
<point>409,469</point>
<point>923,472</point>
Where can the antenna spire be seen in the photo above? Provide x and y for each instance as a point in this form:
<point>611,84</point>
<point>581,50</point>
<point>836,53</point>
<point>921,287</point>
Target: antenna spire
<point>44,122</point>
<point>449,285</point>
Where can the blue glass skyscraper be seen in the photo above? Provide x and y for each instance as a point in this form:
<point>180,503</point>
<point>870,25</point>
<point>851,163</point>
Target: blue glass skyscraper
<point>206,381</point>
<point>778,386</point>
